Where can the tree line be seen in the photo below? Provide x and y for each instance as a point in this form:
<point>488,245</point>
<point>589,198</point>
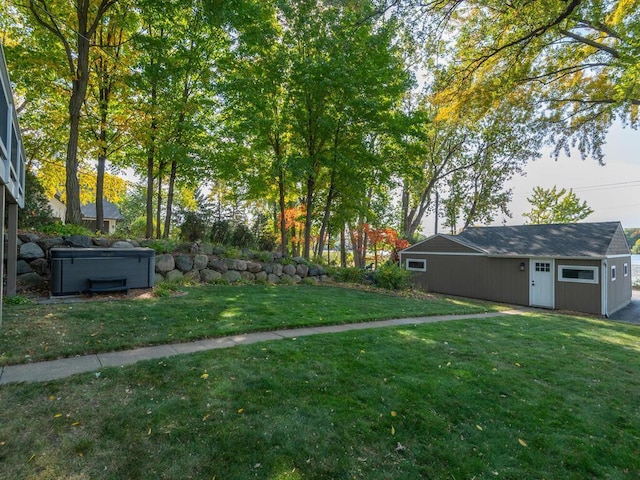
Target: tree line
<point>315,114</point>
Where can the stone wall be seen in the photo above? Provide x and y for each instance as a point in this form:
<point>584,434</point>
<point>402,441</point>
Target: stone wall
<point>201,263</point>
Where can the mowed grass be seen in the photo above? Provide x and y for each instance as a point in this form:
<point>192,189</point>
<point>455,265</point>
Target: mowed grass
<point>42,332</point>
<point>515,397</point>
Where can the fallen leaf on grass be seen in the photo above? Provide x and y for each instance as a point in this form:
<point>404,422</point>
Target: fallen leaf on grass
<point>393,430</point>
<point>522,442</point>
<point>204,376</point>
<point>240,410</point>
<point>393,413</point>
<point>479,427</point>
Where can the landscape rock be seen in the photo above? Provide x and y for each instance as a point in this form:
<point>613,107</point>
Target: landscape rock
<point>271,278</point>
<point>232,276</point>
<point>248,276</point>
<point>218,250</point>
<point>165,263</point>
<point>30,251</point>
<point>206,249</point>
<point>184,263</point>
<point>218,265</point>
<point>240,265</point>
<point>254,267</point>
<point>261,276</point>
<point>209,276</point>
<point>23,267</point>
<point>193,275</point>
<point>297,279</point>
<point>277,269</point>
<point>302,270</point>
<point>79,241</point>
<point>289,270</point>
<point>32,279</point>
<point>158,278</point>
<point>122,244</point>
<point>28,237</point>
<point>299,260</point>
<point>173,275</point>
<point>46,243</point>
<point>40,266</point>
<point>200,261</point>
<point>102,242</point>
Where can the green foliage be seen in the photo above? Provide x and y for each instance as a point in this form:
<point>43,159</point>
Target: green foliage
<point>633,239</point>
<point>556,206</point>
<point>348,274</point>
<point>36,212</point>
<point>221,232</point>
<point>161,246</point>
<point>17,300</point>
<point>65,230</point>
<point>391,277</point>
<point>193,227</point>
<point>242,237</point>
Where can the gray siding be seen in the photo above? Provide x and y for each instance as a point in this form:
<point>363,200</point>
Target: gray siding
<point>439,244</point>
<point>619,291</point>
<point>618,245</point>
<point>579,297</point>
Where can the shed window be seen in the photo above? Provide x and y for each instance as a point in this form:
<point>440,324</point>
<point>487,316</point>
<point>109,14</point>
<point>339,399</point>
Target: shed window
<point>578,274</point>
<point>416,265</point>
<point>626,269</point>
<point>613,273</point>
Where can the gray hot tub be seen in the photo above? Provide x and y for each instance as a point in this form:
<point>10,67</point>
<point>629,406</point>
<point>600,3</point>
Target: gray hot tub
<point>78,270</point>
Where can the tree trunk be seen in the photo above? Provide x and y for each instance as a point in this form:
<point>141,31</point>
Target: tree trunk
<point>343,248</point>
<point>172,181</point>
<point>311,185</point>
<point>327,213</point>
<point>159,206</point>
<point>151,151</point>
<point>282,205</point>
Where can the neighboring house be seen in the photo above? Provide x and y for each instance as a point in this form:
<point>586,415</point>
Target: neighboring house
<point>58,208</point>
<point>110,212</point>
<point>584,267</point>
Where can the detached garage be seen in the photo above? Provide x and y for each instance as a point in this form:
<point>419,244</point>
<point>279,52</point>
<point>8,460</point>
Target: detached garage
<point>583,267</point>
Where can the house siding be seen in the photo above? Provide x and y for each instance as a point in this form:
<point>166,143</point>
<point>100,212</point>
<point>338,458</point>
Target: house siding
<point>618,245</point>
<point>439,245</point>
<point>495,279</point>
<point>578,297</point>
<point>618,291</point>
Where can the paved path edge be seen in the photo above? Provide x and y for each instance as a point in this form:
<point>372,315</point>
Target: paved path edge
<point>57,369</point>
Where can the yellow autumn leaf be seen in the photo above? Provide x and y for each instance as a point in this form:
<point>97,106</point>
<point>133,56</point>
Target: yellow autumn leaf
<point>393,430</point>
<point>75,424</point>
<point>240,410</point>
<point>393,413</point>
<point>52,397</point>
<point>479,427</point>
<point>518,365</point>
<point>57,415</point>
<point>204,376</point>
<point>522,442</point>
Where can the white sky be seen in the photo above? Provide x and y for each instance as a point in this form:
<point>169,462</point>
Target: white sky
<point>612,190</point>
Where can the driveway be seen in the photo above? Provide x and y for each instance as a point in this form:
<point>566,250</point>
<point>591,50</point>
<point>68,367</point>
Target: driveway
<point>630,313</point>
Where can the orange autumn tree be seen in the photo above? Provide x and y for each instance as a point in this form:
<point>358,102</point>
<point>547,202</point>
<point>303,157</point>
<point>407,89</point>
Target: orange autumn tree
<point>384,239</point>
<point>294,224</point>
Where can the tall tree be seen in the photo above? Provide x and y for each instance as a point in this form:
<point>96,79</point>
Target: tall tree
<point>73,25</point>
<point>556,206</point>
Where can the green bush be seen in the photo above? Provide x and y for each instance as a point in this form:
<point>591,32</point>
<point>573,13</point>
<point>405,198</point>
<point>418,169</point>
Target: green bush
<point>65,230</point>
<point>161,246</point>
<point>221,232</point>
<point>193,228</point>
<point>391,277</point>
<point>349,275</point>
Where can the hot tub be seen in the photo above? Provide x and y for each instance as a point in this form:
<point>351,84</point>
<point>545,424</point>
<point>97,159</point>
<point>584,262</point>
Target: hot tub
<point>79,270</point>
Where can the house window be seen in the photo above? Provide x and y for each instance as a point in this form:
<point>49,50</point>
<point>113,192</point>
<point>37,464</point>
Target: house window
<point>416,265</point>
<point>626,269</point>
<point>577,274</point>
<point>613,273</point>
<point>543,267</point>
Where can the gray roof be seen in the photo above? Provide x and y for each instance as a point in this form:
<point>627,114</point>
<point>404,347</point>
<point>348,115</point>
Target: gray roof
<point>559,240</point>
<point>109,211</point>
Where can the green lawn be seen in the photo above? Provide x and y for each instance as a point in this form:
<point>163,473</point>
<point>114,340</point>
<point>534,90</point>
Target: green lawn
<point>42,332</point>
<point>514,397</point>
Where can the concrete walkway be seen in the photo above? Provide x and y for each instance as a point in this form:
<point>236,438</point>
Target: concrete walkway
<point>56,369</point>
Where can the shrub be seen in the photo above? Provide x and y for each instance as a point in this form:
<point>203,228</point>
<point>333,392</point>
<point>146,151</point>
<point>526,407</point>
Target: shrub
<point>193,228</point>
<point>349,275</point>
<point>65,230</point>
<point>161,246</point>
<point>17,300</point>
<point>242,237</point>
<point>391,277</point>
<point>221,232</point>
<point>36,212</point>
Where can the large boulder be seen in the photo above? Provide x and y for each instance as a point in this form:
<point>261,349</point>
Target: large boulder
<point>276,269</point>
<point>184,263</point>
<point>30,251</point>
<point>79,241</point>
<point>218,265</point>
<point>165,263</point>
<point>261,276</point>
<point>289,270</point>
<point>122,244</point>
<point>200,261</point>
<point>28,237</point>
<point>273,278</point>
<point>193,275</point>
<point>232,276</point>
<point>31,279</point>
<point>248,276</point>
<point>40,266</point>
<point>23,267</point>
<point>209,276</point>
<point>173,275</point>
<point>47,243</point>
<point>254,267</point>
<point>302,270</point>
<point>102,242</point>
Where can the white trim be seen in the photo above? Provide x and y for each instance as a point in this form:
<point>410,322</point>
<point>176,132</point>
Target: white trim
<point>618,256</point>
<point>604,288</point>
<point>561,277</point>
<point>416,269</point>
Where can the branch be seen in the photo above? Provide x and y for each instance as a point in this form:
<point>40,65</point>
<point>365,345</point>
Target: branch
<point>52,27</point>
<point>592,43</point>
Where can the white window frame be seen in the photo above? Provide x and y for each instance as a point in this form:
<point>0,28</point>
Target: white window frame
<point>613,273</point>
<point>416,269</point>
<point>561,277</point>
<point>626,269</point>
